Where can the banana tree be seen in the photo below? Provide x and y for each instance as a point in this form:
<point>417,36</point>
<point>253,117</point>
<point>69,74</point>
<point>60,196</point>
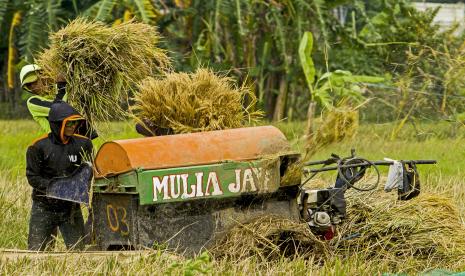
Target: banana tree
<point>331,87</point>
<point>341,86</point>
<point>252,40</point>
<point>25,25</point>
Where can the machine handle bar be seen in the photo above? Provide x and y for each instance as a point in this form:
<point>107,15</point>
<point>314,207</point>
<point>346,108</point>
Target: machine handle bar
<point>378,163</point>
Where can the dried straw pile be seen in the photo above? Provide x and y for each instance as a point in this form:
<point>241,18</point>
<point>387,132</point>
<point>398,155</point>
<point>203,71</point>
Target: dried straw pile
<point>427,228</point>
<point>102,64</point>
<point>194,102</point>
<point>270,238</point>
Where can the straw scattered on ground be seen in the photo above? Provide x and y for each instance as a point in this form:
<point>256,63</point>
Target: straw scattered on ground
<point>426,230</point>
<point>199,101</point>
<point>102,64</point>
<point>270,238</point>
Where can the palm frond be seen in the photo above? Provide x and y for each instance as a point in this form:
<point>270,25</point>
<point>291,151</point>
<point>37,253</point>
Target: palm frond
<point>93,10</point>
<point>53,11</point>
<point>105,9</point>
<point>12,50</point>
<point>280,37</point>
<point>146,10</point>
<point>75,6</point>
<point>33,34</point>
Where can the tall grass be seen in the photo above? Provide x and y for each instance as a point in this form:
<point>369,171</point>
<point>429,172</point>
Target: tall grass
<point>15,201</point>
<point>372,141</point>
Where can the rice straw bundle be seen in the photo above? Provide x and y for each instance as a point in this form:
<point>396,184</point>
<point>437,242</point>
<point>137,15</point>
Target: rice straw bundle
<point>194,102</point>
<point>337,124</point>
<point>293,174</point>
<point>427,228</point>
<point>102,64</point>
<point>270,238</point>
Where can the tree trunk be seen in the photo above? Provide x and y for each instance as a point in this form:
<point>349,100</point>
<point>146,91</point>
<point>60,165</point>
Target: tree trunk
<point>280,107</point>
<point>269,96</point>
<point>3,79</point>
<point>310,119</point>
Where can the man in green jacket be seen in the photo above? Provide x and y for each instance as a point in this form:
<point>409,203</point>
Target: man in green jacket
<point>39,106</point>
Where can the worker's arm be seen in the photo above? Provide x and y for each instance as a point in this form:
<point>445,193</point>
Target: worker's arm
<point>85,129</point>
<point>146,128</point>
<point>61,92</point>
<point>34,159</point>
<point>39,108</point>
<point>141,129</point>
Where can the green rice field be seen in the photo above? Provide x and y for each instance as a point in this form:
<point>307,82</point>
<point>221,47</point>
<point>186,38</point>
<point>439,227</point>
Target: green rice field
<point>444,142</point>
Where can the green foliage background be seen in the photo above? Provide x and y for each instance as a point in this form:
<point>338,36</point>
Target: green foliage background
<point>257,41</point>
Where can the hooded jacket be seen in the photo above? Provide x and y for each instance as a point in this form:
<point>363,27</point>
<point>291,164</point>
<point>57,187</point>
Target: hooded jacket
<point>55,155</point>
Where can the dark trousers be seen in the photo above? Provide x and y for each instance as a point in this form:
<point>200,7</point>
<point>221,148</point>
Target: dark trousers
<point>44,221</point>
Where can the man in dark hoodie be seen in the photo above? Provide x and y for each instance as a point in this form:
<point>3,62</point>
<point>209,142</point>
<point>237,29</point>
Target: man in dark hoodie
<point>56,154</point>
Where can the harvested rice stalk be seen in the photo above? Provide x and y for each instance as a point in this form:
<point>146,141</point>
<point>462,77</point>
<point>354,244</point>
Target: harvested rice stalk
<point>338,123</point>
<point>270,238</point>
<point>194,102</point>
<point>102,64</point>
<point>427,228</point>
<point>293,174</point>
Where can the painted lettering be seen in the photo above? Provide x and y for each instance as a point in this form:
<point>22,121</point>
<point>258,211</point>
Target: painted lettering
<point>160,187</point>
<point>175,186</point>
<point>123,221</point>
<point>185,187</point>
<point>112,218</point>
<point>248,179</point>
<point>209,183</point>
<point>261,178</point>
<point>114,222</point>
<point>212,182</point>
<point>267,177</point>
<point>236,187</point>
<point>199,178</point>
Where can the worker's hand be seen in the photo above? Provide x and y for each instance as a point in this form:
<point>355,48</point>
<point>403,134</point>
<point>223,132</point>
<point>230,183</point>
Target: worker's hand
<point>61,87</point>
<point>60,78</point>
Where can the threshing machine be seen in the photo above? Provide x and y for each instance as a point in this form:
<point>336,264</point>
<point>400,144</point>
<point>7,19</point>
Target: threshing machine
<point>185,191</point>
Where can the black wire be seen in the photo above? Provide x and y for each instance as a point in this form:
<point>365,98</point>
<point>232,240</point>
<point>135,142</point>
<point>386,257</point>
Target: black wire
<point>342,162</point>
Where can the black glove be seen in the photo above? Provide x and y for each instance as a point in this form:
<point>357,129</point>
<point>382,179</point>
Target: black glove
<point>61,86</point>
